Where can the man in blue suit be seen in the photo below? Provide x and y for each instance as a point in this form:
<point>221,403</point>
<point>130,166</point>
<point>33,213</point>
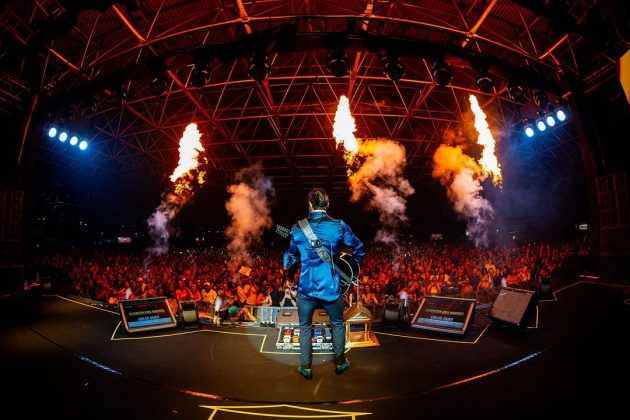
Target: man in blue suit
<point>319,282</point>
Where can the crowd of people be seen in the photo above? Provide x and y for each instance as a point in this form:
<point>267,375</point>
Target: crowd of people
<point>224,287</point>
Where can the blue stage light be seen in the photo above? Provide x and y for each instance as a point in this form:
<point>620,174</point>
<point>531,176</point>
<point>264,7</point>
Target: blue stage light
<point>540,124</point>
<point>74,140</point>
<point>561,115</point>
<point>83,145</point>
<point>550,120</point>
<point>63,136</point>
<point>529,131</point>
<point>52,132</point>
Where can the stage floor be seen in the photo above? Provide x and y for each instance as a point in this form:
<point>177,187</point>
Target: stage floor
<point>63,358</point>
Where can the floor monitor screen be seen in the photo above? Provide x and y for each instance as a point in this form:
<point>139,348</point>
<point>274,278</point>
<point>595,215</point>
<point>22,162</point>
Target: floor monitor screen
<point>146,314</point>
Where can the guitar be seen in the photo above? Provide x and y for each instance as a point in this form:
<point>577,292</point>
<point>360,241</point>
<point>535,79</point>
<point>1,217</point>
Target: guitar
<point>343,263</point>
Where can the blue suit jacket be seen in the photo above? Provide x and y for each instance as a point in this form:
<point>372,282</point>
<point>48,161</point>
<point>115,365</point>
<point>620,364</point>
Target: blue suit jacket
<point>317,277</point>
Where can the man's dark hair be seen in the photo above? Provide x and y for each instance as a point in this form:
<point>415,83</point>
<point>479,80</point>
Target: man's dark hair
<point>318,198</point>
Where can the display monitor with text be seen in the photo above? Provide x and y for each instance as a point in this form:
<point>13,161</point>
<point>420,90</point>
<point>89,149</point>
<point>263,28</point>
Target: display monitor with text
<point>146,314</point>
<point>444,314</point>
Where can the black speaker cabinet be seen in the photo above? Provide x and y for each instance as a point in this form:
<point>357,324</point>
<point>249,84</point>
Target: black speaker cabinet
<point>189,315</point>
<point>393,312</point>
<point>514,306</point>
<point>544,286</point>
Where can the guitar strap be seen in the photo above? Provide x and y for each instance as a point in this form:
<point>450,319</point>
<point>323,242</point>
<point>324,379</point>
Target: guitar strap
<point>307,230</point>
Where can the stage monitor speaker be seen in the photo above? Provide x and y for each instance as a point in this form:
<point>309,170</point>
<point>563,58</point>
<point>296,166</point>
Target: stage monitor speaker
<point>189,315</point>
<point>393,312</point>
<point>513,306</point>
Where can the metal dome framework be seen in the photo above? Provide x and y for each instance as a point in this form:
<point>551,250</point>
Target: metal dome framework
<point>286,120</point>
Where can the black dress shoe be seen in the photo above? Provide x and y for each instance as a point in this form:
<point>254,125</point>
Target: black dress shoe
<point>306,373</point>
<point>342,367</point>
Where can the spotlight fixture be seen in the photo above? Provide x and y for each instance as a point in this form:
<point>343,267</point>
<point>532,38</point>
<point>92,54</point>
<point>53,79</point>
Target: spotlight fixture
<point>550,120</point>
<point>561,114</point>
<point>441,73</point>
<point>63,136</point>
<point>52,132</point>
<point>338,63</point>
<point>74,140</point>
<point>259,67</point>
<point>393,68</point>
<point>158,86</point>
<point>83,145</point>
<point>541,99</point>
<point>540,124</point>
<point>516,92</point>
<point>199,76</point>
<point>485,83</point>
<point>118,97</point>
<point>528,127</point>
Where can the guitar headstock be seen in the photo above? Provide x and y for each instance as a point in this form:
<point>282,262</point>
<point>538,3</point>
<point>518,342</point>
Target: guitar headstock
<point>282,231</point>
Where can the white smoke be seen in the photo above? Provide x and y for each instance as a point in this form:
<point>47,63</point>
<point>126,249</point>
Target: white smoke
<point>462,177</point>
<point>159,222</point>
<point>380,179</point>
<point>248,206</point>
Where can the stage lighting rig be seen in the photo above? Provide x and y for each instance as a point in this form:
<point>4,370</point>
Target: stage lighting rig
<point>561,110</point>
<point>516,92</point>
<point>528,129</point>
<point>550,119</point>
<point>338,63</point>
<point>392,68</point>
<point>158,86</point>
<point>259,66</point>
<point>540,125</point>
<point>118,97</point>
<point>200,75</point>
<point>441,73</point>
<point>541,99</point>
<point>54,131</point>
<point>485,83</point>
<point>561,114</point>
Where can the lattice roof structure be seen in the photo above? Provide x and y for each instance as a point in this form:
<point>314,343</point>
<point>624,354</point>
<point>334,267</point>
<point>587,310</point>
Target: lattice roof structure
<point>77,56</point>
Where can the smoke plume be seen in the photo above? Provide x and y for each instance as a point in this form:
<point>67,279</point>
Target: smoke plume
<point>381,181</point>
<point>248,207</point>
<point>462,177</point>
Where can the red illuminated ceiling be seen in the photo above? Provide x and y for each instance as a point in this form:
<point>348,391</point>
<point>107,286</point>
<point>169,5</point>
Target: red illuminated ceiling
<point>286,121</point>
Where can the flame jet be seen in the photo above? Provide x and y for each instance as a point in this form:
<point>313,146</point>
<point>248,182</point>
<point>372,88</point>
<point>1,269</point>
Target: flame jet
<point>378,177</point>
<point>188,173</point>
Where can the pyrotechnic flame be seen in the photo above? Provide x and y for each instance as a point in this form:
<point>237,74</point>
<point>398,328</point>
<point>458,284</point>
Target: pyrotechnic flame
<point>344,128</point>
<point>488,159</point>
<point>189,154</point>
<point>187,171</point>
